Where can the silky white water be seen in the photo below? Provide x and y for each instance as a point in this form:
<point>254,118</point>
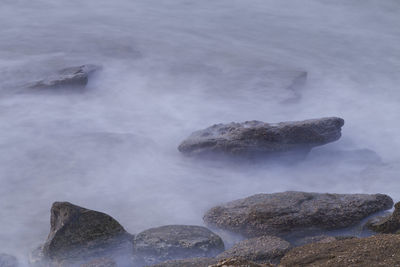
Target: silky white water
<point>171,67</point>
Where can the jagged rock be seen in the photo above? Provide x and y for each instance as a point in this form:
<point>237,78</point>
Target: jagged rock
<point>175,242</point>
<point>193,262</point>
<point>256,138</point>
<point>379,250</point>
<point>387,224</point>
<point>77,234</point>
<point>239,263</point>
<point>68,77</point>
<point>264,249</point>
<point>7,260</point>
<point>101,262</point>
<point>280,214</point>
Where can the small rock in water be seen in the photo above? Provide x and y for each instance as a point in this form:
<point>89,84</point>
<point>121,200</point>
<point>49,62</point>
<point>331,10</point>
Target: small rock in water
<point>175,242</point>
<point>387,224</point>
<point>68,77</point>
<point>78,234</point>
<point>7,260</point>
<point>264,249</point>
<point>256,138</point>
<point>299,213</point>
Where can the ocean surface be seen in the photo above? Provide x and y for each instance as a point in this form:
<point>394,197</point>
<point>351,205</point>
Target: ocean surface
<point>171,67</point>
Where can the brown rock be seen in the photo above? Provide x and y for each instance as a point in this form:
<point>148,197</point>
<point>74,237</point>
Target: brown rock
<point>193,262</point>
<point>379,250</point>
<point>387,224</point>
<point>239,263</point>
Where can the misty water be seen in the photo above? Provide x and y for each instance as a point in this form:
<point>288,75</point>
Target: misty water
<point>171,67</point>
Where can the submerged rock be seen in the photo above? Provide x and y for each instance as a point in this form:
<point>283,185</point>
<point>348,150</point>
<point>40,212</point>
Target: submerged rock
<point>68,77</point>
<point>264,249</point>
<point>77,234</point>
<point>387,224</point>
<point>175,242</point>
<point>253,138</point>
<point>294,212</point>
<point>7,260</point>
<point>379,250</point>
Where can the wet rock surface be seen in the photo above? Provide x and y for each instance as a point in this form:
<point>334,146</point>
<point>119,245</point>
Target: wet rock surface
<point>175,242</point>
<point>256,138</point>
<point>388,224</point>
<point>379,250</point>
<point>265,249</point>
<point>291,212</point>
<point>7,260</point>
<point>193,262</point>
<point>77,233</point>
<point>69,77</point>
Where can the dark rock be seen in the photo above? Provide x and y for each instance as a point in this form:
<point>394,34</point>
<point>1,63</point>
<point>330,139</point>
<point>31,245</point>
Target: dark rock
<point>69,77</point>
<point>175,242</point>
<point>193,262</point>
<point>264,249</point>
<point>254,138</point>
<point>387,224</point>
<point>239,263</point>
<point>77,233</point>
<point>100,262</point>
<point>379,250</point>
<point>7,260</point>
<point>314,239</point>
<point>294,212</point>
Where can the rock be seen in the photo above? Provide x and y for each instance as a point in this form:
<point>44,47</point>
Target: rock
<point>7,260</point>
<point>256,138</point>
<point>69,77</point>
<point>314,239</point>
<point>77,233</point>
<point>387,224</point>
<point>264,249</point>
<point>239,263</point>
<point>292,212</point>
<point>175,242</point>
<point>100,262</point>
<point>379,250</point>
<point>193,262</point>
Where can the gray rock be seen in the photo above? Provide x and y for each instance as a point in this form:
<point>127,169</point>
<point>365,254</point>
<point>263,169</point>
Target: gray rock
<point>387,224</point>
<point>294,212</point>
<point>193,262</point>
<point>254,138</point>
<point>7,260</point>
<point>175,242</point>
<point>68,77</point>
<point>77,234</point>
<point>264,249</point>
<point>100,262</point>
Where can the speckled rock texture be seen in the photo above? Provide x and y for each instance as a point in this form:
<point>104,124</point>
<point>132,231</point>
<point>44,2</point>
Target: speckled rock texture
<point>172,242</point>
<point>289,212</point>
<point>387,224</point>
<point>256,138</point>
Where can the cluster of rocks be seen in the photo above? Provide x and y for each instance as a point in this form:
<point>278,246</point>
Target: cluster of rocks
<point>277,230</point>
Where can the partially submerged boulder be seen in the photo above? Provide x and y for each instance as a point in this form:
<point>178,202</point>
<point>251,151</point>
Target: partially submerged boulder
<point>379,250</point>
<point>7,260</point>
<point>69,77</point>
<point>78,234</point>
<point>387,224</point>
<point>256,138</point>
<point>264,249</point>
<point>172,242</point>
<point>291,212</point>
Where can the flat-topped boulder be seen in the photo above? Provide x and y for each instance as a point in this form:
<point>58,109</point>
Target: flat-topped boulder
<point>379,250</point>
<point>78,234</point>
<point>293,212</point>
<point>77,76</point>
<point>172,242</point>
<point>264,249</point>
<point>254,138</point>
<point>7,260</point>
